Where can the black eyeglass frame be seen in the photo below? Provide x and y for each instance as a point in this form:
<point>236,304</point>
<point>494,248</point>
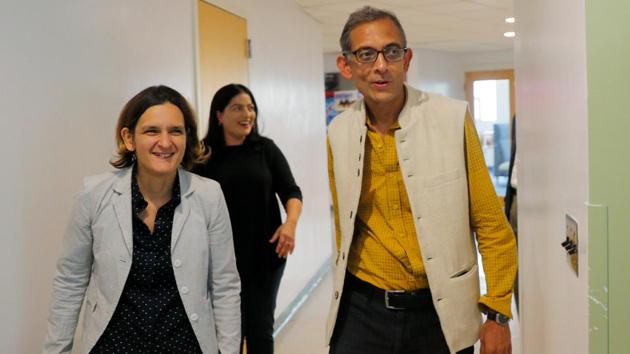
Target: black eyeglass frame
<point>391,46</point>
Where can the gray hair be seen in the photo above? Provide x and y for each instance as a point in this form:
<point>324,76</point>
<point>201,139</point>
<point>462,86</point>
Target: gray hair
<point>364,15</point>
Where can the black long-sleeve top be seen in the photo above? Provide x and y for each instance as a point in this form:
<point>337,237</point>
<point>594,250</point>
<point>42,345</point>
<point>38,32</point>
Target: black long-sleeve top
<point>251,175</point>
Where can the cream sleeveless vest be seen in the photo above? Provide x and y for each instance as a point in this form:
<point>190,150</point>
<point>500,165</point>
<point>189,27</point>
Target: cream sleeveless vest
<point>432,159</point>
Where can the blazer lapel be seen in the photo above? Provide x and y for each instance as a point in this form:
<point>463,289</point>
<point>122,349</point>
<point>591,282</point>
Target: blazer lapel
<point>183,209</point>
<point>122,208</point>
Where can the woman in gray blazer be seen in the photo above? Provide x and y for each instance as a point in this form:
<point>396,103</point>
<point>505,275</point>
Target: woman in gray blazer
<point>149,246</point>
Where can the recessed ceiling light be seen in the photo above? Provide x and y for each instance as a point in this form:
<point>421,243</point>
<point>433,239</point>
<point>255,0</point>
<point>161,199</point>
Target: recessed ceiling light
<point>509,34</point>
<point>510,20</point>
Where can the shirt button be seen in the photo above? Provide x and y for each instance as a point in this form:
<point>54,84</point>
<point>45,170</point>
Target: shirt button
<point>194,317</point>
<point>184,290</point>
<point>177,263</point>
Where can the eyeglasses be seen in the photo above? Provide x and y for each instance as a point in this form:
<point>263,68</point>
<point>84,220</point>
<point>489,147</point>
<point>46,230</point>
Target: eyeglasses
<point>391,53</point>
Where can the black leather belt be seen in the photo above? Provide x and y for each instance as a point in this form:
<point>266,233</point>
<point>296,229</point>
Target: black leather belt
<point>391,299</point>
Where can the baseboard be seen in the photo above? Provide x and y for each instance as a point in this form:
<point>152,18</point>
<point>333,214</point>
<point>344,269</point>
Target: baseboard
<point>301,298</point>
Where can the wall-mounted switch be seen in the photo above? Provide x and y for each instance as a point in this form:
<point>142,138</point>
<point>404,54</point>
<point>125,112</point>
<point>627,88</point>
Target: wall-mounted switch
<point>570,243</point>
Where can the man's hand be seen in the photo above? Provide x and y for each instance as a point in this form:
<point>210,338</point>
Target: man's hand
<point>285,235</point>
<point>495,338</point>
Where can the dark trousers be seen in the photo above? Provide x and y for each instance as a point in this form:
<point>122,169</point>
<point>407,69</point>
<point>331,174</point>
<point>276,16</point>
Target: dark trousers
<point>258,304</point>
<point>365,325</point>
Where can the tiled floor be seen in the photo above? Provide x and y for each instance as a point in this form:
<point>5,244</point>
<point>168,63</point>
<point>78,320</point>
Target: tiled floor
<point>304,334</point>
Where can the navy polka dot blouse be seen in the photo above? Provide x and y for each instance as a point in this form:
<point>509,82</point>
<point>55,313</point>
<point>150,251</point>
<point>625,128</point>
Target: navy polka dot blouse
<point>150,316</point>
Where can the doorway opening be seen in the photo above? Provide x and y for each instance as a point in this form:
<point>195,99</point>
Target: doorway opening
<point>490,95</point>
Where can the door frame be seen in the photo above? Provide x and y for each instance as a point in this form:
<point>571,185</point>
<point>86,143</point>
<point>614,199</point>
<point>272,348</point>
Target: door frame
<point>472,76</point>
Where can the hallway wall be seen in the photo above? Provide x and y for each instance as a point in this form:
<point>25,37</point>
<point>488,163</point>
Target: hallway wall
<point>608,50</point>
<point>67,68</point>
<point>552,135</point>
<point>437,72</point>
<point>489,60</point>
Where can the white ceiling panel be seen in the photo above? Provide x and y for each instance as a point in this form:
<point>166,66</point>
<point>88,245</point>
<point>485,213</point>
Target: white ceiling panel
<point>450,25</point>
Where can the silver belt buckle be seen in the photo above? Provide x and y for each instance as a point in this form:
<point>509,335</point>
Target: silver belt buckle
<point>387,305</point>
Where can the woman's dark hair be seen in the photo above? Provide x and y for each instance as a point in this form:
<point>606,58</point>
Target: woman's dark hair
<point>215,140</point>
<point>133,110</point>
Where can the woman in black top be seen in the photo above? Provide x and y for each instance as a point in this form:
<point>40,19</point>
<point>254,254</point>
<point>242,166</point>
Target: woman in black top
<point>252,171</point>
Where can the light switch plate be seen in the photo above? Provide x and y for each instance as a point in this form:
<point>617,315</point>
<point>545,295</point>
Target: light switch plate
<point>572,235</point>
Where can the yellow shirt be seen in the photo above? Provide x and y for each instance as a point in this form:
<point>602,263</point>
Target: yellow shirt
<point>385,250</point>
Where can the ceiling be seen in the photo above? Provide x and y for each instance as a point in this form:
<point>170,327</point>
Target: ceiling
<point>444,25</point>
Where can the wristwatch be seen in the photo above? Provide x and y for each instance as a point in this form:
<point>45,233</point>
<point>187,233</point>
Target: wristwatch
<point>498,318</point>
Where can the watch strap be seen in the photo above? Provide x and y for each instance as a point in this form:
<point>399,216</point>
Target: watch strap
<point>497,317</point>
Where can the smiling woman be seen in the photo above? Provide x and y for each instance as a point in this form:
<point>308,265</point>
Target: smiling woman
<point>158,140</point>
<point>154,279</point>
<point>147,103</point>
<point>252,171</point>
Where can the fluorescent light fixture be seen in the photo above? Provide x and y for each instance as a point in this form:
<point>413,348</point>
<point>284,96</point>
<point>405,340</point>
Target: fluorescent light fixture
<point>509,34</point>
<point>510,20</point>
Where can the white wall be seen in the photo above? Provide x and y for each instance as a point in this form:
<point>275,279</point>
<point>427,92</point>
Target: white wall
<point>330,63</point>
<point>67,68</point>
<point>438,72</point>
<point>552,175</point>
<point>490,60</point>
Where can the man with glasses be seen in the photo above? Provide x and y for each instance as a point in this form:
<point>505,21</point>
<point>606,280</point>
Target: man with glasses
<point>410,193</point>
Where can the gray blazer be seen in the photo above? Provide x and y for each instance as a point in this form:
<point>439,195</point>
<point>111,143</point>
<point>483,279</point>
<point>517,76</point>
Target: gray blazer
<point>97,253</point>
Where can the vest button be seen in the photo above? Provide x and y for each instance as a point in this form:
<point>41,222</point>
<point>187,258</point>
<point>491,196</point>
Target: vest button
<point>336,295</point>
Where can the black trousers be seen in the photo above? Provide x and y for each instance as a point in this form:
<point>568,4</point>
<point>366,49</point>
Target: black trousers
<point>258,304</point>
<point>365,325</point>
